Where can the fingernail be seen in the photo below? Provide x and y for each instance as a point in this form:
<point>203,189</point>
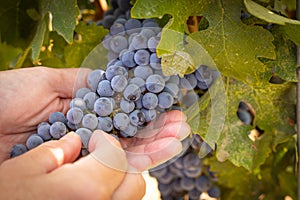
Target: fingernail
<point>184,131</point>
<point>175,149</point>
<point>69,136</point>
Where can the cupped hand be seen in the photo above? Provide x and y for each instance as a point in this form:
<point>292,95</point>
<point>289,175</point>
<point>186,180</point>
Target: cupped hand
<point>29,95</point>
<point>50,170</point>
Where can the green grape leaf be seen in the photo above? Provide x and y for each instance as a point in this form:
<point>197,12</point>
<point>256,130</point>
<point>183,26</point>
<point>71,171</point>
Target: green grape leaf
<point>91,36</point>
<point>64,13</point>
<point>274,108</point>
<point>59,16</point>
<point>285,64</point>
<point>293,32</point>
<point>8,54</point>
<point>234,46</point>
<point>267,15</point>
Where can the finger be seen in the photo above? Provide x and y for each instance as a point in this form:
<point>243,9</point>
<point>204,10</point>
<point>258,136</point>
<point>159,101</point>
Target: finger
<point>68,81</point>
<point>146,156</point>
<point>133,186</point>
<point>165,118</point>
<point>175,116</point>
<point>49,155</point>
<point>179,130</point>
<point>94,170</point>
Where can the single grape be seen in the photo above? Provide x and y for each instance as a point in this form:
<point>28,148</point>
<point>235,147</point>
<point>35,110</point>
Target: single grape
<point>139,82</point>
<point>129,132</point>
<point>105,89</point>
<point>192,173</point>
<point>57,130</point>
<point>194,194</point>
<point>90,99</point>
<point>105,124</point>
<point>115,70</point>
<point>121,121</point>
<point>121,21</point>
<point>17,150</point>
<point>57,117</point>
<point>167,178</point>
<point>150,24</point>
<point>90,121</point>
<point>74,115</point>
<point>118,83</point>
<point>84,152</point>
<point>143,72</point>
<point>137,118</point>
<point>127,106</point>
<point>132,26</point>
<point>131,37</point>
<point>78,103</point>
<point>187,183</point>
<point>103,106</point>
<point>33,141</point>
<point>164,189</point>
<point>147,32</point>
<point>171,88</point>
<point>165,100</point>
<point>191,161</point>
<point>203,183</point>
<point>152,43</point>
<point>155,83</point>
<point>214,192</point>
<point>174,79</point>
<point>117,28</point>
<point>128,58</point>
<point>188,82</point>
<point>85,135</point>
<point>244,116</point>
<point>118,12</point>
<point>142,57</point>
<point>82,92</point>
<point>43,130</point>
<point>132,92</point>
<point>155,62</point>
<point>150,115</point>
<point>138,42</point>
<point>108,21</point>
<point>93,80</point>
<point>150,100</point>
<point>118,43</point>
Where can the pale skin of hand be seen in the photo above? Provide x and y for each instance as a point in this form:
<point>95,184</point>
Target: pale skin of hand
<point>50,170</point>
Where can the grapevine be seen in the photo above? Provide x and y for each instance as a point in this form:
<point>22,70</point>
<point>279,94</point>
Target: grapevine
<point>158,56</point>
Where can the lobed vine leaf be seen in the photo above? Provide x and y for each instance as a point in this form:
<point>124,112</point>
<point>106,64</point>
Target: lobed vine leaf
<point>274,111</point>
<point>60,16</point>
<point>285,64</point>
<point>234,46</point>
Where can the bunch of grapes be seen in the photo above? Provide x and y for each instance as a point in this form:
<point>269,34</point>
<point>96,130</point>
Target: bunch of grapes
<point>129,94</point>
<point>186,176</point>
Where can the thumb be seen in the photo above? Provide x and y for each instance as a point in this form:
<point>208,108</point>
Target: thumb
<point>49,155</point>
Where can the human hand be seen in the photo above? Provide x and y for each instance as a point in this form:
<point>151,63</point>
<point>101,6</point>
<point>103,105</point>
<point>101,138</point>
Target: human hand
<point>48,170</point>
<point>28,96</point>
